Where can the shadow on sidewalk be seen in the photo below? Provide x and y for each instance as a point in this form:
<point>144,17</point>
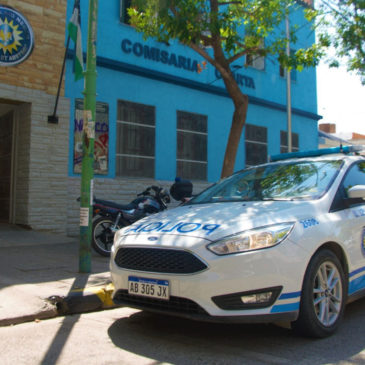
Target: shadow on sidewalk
<point>31,257</point>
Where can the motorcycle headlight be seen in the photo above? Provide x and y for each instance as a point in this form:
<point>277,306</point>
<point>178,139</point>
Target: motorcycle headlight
<point>254,239</point>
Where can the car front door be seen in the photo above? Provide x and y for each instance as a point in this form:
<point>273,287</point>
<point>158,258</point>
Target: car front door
<point>350,215</point>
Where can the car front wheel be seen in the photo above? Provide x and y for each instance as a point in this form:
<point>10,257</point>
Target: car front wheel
<point>323,296</point>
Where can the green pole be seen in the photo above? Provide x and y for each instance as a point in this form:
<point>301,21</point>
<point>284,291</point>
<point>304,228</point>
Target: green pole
<point>88,136</point>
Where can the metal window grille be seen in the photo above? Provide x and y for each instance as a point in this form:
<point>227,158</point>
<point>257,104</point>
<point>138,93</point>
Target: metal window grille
<point>135,155</point>
<point>284,142</point>
<point>256,144</point>
<point>192,132</point>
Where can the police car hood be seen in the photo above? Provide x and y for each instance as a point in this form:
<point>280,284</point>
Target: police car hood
<point>216,220</point>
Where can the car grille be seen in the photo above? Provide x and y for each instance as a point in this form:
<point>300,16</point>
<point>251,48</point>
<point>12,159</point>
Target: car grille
<point>158,260</point>
<point>175,305</point>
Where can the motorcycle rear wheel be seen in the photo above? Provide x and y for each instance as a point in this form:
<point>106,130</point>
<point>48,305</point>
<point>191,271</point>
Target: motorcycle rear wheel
<point>103,236</point>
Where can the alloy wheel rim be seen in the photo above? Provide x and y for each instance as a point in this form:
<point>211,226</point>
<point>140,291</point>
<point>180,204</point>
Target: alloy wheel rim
<point>327,293</point>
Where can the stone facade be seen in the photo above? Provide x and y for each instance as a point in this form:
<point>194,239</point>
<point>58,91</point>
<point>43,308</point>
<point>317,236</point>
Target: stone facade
<point>40,149</point>
<point>40,158</point>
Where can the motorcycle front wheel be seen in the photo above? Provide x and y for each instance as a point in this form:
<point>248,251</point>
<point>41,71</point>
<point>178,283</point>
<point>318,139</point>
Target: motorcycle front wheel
<point>103,235</point>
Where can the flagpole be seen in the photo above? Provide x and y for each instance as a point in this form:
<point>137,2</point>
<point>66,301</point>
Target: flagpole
<point>53,118</point>
<point>87,171</point>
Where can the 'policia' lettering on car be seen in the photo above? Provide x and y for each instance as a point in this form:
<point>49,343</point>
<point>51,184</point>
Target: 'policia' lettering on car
<point>168,227</point>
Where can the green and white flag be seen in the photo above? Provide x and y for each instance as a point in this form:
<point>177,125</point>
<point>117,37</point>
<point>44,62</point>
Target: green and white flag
<point>74,31</point>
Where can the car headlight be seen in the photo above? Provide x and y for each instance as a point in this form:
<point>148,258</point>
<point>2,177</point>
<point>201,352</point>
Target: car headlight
<point>254,239</point>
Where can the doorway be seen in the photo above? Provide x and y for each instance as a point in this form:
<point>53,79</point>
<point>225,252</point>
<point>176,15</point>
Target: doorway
<point>6,148</point>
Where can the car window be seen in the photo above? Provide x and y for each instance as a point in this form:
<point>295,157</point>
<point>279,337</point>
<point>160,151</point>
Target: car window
<point>277,181</point>
<point>355,176</point>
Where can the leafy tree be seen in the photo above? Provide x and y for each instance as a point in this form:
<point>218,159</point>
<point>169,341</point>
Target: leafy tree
<point>344,29</point>
<point>222,32</point>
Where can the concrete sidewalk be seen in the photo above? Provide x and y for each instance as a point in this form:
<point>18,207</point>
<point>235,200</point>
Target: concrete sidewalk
<point>39,277</point>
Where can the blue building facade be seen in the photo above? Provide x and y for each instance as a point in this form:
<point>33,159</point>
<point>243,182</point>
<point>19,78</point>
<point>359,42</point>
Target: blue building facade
<point>158,117</point>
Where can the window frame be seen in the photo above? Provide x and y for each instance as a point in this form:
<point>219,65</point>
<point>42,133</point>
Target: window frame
<point>123,14</point>
<point>119,124</point>
<point>254,61</point>
<point>255,142</point>
<point>285,146</point>
<point>293,72</point>
<point>194,132</point>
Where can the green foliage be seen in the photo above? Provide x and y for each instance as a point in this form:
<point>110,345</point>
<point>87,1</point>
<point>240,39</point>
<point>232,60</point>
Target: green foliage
<point>343,22</point>
<point>235,27</point>
<point>223,32</point>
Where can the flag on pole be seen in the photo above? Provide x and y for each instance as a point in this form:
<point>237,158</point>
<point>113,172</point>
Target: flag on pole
<point>74,31</point>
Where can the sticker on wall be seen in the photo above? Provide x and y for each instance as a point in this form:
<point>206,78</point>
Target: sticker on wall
<point>16,37</point>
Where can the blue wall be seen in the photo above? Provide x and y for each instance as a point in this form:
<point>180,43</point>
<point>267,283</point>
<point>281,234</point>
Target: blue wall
<point>124,76</point>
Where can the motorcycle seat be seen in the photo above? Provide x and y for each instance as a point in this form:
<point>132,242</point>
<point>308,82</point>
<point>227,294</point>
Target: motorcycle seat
<point>106,203</point>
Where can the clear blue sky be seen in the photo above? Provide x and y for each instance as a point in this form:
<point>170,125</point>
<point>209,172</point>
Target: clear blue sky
<point>341,99</point>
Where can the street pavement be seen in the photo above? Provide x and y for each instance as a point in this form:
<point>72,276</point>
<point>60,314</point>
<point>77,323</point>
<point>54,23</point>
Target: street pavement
<point>40,278</point>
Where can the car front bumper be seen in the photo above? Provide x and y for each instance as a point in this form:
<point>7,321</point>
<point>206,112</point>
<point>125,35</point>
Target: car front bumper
<point>214,294</point>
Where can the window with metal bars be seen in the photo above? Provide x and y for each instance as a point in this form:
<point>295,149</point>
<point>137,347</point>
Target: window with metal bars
<point>284,142</point>
<point>135,155</point>
<point>192,132</point>
<point>256,144</point>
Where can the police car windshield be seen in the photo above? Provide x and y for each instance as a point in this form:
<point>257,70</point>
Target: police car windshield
<point>278,181</point>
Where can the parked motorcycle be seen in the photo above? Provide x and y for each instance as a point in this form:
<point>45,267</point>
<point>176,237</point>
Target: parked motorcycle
<point>108,216</point>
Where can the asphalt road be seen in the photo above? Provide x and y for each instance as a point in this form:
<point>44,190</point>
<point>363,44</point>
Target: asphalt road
<point>126,336</point>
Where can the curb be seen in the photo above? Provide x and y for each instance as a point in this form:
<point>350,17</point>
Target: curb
<point>78,301</point>
<point>47,312</point>
<point>85,300</point>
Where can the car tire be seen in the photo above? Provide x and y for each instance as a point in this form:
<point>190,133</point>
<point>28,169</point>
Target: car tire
<point>323,297</point>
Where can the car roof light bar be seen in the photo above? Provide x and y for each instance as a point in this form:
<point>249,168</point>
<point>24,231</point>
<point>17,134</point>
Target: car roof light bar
<point>319,152</point>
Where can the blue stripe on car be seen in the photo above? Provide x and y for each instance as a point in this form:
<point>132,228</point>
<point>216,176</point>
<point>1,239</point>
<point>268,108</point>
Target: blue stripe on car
<point>356,284</point>
<point>289,295</point>
<point>285,307</point>
<point>357,271</point>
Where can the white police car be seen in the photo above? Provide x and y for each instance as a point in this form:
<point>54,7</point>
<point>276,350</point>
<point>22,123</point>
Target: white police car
<point>282,241</point>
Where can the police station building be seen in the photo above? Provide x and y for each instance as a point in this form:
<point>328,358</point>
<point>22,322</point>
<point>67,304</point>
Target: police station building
<point>159,115</point>
<point>161,118</point>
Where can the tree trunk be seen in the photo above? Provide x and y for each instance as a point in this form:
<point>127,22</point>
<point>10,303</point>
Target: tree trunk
<point>240,101</point>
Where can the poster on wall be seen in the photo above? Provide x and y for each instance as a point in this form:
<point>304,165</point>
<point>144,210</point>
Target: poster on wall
<point>101,143</point>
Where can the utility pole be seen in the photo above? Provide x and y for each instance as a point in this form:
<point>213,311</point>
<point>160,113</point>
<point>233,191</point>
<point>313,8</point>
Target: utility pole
<point>288,85</point>
<point>88,136</point>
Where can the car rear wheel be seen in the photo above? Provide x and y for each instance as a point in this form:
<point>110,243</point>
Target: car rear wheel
<point>323,296</point>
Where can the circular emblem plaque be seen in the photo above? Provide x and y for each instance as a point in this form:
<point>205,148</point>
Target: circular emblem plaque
<point>16,37</point>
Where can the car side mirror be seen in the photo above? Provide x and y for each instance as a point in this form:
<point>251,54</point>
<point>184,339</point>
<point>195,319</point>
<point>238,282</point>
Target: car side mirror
<point>356,192</point>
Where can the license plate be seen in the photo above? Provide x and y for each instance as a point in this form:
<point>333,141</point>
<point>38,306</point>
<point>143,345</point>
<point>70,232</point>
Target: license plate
<point>153,288</point>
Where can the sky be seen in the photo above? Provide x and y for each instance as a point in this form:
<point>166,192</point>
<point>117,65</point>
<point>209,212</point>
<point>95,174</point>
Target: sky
<point>341,99</point>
